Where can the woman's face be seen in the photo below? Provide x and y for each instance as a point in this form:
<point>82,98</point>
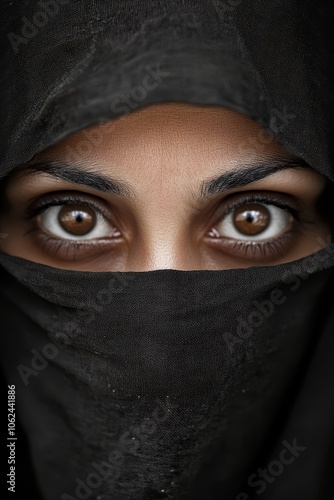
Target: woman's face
<point>171,186</point>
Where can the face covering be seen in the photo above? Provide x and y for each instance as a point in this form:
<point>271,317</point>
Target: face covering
<point>153,384</point>
<point>170,384</point>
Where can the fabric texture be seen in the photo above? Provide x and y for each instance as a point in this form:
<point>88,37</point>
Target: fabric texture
<point>170,384</point>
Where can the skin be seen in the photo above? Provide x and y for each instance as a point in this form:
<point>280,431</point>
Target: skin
<point>163,153</point>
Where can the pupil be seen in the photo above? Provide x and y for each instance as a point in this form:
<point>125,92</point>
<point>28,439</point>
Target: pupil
<point>77,220</point>
<point>251,219</point>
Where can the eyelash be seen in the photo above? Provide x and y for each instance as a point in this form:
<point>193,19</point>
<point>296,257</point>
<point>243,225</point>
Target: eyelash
<point>54,245</point>
<point>266,199</point>
<point>52,201</point>
<point>265,248</point>
<point>258,249</point>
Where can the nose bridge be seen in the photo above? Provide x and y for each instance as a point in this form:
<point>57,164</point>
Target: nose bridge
<point>169,253</point>
<point>164,213</point>
<point>164,239</point>
<point>165,248</point>
<point>165,258</point>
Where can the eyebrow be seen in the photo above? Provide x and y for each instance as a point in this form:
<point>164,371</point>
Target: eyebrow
<point>249,173</point>
<point>232,179</point>
<point>80,174</point>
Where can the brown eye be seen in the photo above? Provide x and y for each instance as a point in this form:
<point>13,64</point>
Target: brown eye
<point>251,219</point>
<point>77,219</point>
<point>253,222</point>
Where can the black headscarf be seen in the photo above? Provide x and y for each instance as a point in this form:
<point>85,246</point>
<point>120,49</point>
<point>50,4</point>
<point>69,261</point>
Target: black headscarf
<point>167,383</point>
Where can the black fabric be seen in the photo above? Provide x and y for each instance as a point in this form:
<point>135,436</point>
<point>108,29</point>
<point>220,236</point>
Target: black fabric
<point>171,384</point>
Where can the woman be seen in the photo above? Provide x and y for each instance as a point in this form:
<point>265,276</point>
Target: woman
<point>166,248</point>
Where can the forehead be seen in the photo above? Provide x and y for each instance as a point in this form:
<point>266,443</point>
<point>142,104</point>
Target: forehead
<point>167,150</point>
<point>169,129</point>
